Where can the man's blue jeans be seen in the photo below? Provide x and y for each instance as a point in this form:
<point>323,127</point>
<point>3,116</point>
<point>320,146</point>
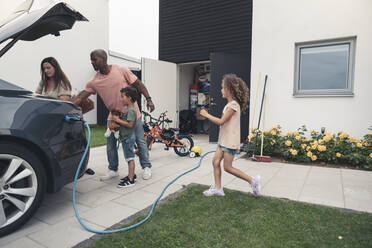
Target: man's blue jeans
<point>112,151</point>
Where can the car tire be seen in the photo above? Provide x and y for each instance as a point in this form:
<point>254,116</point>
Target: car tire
<point>22,186</point>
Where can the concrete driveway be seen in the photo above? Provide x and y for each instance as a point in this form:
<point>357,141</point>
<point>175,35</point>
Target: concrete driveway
<point>102,204</point>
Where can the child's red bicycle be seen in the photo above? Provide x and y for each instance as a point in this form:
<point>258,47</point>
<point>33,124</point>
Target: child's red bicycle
<point>157,130</point>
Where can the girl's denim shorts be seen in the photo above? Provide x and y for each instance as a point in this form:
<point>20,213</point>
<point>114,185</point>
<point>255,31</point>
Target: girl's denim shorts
<point>228,150</point>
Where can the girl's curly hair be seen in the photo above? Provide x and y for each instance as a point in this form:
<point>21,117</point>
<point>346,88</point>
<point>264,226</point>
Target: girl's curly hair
<point>238,89</point>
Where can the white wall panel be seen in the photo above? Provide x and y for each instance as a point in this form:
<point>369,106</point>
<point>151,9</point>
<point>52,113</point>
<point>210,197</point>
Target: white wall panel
<point>277,26</point>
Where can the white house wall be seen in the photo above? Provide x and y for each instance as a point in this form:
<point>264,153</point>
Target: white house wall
<point>277,26</point>
<point>21,64</point>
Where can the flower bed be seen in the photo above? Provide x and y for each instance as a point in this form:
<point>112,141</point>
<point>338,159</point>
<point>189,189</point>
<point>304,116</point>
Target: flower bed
<point>303,147</point>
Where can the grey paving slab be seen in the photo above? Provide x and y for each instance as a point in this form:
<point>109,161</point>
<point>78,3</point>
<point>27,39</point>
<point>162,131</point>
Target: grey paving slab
<point>64,234</point>
<point>108,214</point>
<point>58,212</point>
<point>88,185</point>
<point>333,196</point>
<point>357,189</point>
<point>139,199</point>
<point>24,242</point>
<point>59,197</point>
<point>288,182</point>
<point>33,226</point>
<point>157,188</point>
<point>96,198</point>
<point>323,186</point>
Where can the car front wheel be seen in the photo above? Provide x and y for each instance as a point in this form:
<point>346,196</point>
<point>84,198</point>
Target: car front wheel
<point>22,186</point>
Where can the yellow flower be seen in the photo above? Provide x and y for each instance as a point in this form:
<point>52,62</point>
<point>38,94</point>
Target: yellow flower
<point>278,126</point>
<point>338,155</point>
<point>366,143</point>
<point>327,138</point>
<point>351,139</point>
<point>343,135</point>
<point>306,140</point>
<point>357,140</point>
<point>272,142</point>
<point>298,137</point>
<point>303,146</point>
<point>312,131</point>
<point>314,157</point>
<point>322,148</point>
<point>359,145</point>
<point>309,154</point>
<point>315,143</point>
<point>314,147</point>
<point>254,135</point>
<point>289,133</point>
<point>321,142</point>
<point>288,143</point>
<point>294,152</point>
<point>273,132</point>
<point>370,155</point>
<point>308,148</point>
<point>295,133</point>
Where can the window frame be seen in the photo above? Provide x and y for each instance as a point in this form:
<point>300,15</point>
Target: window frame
<point>349,91</point>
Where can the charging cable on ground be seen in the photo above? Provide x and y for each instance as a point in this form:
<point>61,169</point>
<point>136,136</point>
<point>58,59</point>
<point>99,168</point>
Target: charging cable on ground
<point>68,119</point>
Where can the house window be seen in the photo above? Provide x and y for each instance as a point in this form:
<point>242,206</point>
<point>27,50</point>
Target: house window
<point>325,68</point>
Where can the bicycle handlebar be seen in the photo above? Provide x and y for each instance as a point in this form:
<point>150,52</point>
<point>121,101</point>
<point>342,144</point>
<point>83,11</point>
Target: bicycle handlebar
<point>158,121</point>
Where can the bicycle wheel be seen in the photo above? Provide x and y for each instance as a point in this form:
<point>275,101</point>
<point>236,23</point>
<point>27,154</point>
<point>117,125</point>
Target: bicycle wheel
<point>187,142</point>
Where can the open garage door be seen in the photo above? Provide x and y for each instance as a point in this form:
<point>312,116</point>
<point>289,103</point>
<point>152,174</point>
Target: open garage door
<point>160,79</point>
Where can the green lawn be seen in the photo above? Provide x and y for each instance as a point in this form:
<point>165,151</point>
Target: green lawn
<point>240,220</point>
<point>98,138</point>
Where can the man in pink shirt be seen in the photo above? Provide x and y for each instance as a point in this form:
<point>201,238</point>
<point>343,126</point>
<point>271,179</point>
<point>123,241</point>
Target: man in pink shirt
<point>108,82</point>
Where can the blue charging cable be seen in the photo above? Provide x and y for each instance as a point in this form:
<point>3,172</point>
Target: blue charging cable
<point>74,118</point>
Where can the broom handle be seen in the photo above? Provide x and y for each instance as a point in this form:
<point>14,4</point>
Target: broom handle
<point>263,124</point>
<point>259,118</point>
<point>263,97</point>
<point>255,100</point>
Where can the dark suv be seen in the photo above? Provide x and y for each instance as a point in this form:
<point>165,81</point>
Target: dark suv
<point>39,150</point>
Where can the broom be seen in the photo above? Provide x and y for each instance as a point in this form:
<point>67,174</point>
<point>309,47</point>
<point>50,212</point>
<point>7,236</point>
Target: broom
<point>262,158</point>
<point>252,147</point>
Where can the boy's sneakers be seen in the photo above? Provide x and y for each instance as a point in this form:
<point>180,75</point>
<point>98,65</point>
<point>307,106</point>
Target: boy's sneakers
<point>255,184</point>
<point>146,173</point>
<point>127,178</point>
<point>109,174</point>
<point>213,191</point>
<point>126,183</point>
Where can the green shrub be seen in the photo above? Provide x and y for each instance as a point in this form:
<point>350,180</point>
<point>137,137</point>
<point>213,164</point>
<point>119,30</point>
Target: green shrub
<point>298,146</point>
